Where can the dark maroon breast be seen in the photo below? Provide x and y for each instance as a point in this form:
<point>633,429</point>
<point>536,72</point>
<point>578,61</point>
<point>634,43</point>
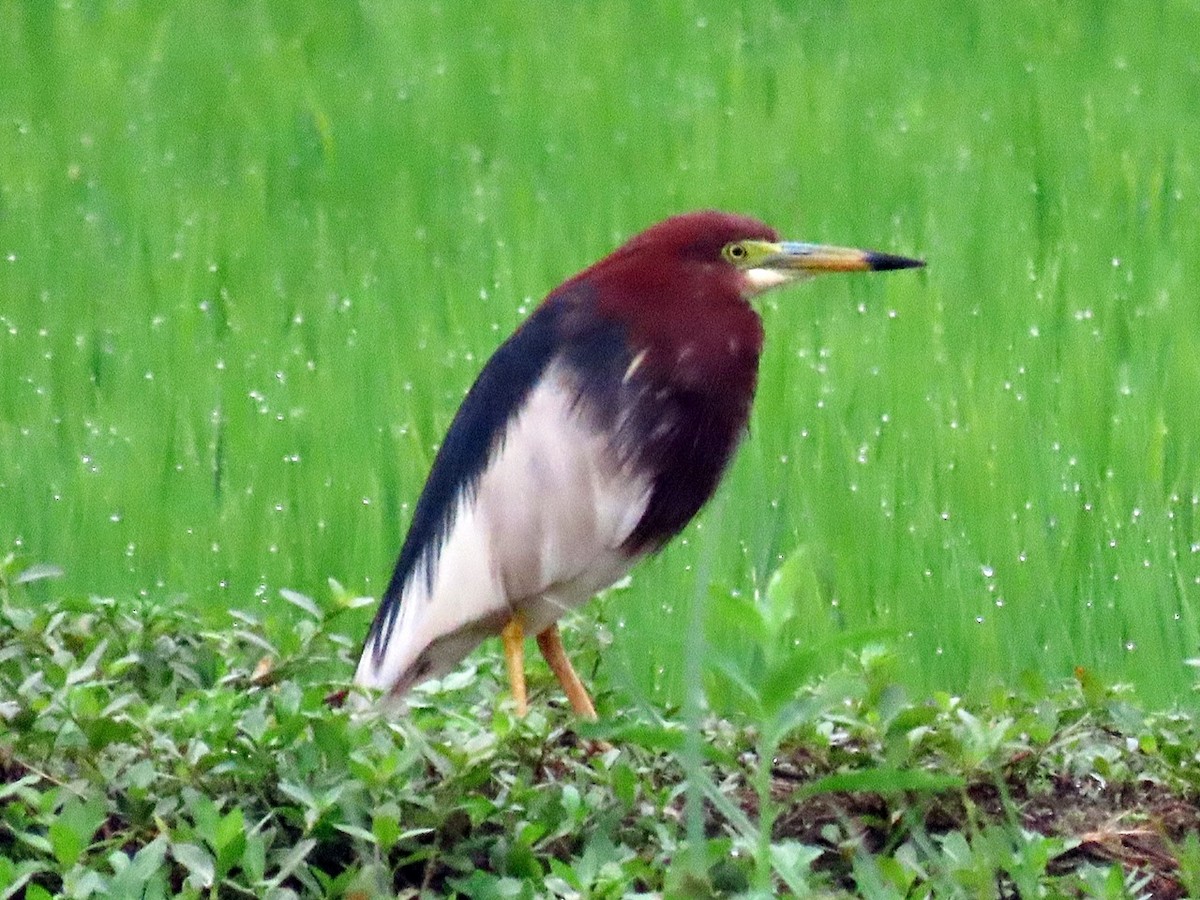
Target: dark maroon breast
<point>673,404</point>
<point>684,441</point>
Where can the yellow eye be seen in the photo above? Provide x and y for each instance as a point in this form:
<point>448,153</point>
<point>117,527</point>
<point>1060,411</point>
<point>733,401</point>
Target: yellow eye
<point>735,253</point>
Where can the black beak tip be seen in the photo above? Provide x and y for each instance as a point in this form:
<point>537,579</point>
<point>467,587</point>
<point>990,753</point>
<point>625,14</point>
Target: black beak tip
<point>883,262</point>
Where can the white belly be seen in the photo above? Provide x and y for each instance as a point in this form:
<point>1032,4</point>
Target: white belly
<point>542,532</point>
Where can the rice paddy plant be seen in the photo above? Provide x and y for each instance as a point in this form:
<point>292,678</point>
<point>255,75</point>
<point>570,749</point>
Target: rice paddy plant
<point>251,256</point>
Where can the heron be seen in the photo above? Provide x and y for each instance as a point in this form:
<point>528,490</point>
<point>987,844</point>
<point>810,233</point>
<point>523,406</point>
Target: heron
<point>590,438</point>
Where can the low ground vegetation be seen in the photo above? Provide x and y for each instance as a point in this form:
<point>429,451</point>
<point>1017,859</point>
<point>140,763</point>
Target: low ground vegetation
<point>144,754</point>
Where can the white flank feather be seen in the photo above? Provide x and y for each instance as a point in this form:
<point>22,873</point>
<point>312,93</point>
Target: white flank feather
<point>541,534</point>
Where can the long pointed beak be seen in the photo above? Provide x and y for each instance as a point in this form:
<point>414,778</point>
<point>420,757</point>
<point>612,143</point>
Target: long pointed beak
<point>812,259</point>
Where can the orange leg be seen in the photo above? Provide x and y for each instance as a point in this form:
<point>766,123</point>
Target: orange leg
<point>550,643</point>
<point>513,636</point>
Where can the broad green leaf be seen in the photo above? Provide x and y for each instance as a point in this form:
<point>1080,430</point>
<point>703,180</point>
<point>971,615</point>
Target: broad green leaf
<point>793,591</point>
<point>254,858</point>
<point>229,841</point>
<point>197,861</point>
<point>231,826</point>
<point>731,618</point>
<point>67,844</point>
<point>385,829</point>
<point>72,830</point>
<point>301,602</point>
<point>134,876</point>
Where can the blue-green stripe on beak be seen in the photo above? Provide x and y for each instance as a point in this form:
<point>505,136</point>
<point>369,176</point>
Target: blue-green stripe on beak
<point>814,258</point>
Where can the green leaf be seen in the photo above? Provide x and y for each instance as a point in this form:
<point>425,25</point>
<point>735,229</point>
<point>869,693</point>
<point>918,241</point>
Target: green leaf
<point>66,843</point>
<point>14,876</point>
<point>72,831</point>
<point>301,602</point>
<point>254,858</point>
<point>145,867</point>
<point>23,789</point>
<point>882,780</point>
<point>345,600</point>
<point>386,829</point>
<point>793,590</point>
<point>624,783</point>
<point>646,736</point>
<point>911,717</point>
<point>38,572</point>
<point>292,861</point>
<point>229,841</point>
<point>792,861</point>
<point>566,872</point>
<point>87,670</point>
<point>781,684</point>
<point>733,617</point>
<point>204,813</point>
<point>231,826</point>
<point>357,832</point>
<point>197,861</point>
<point>730,671</point>
<point>300,793</point>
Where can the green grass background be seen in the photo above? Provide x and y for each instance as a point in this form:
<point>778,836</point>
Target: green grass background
<point>252,254</point>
